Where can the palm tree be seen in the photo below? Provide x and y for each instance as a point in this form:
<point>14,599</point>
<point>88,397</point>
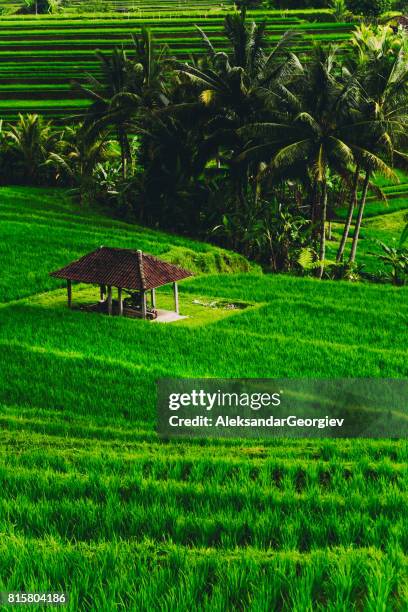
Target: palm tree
<point>114,98</point>
<point>232,80</point>
<point>321,125</point>
<point>77,154</point>
<point>129,83</point>
<point>382,67</point>
<point>29,143</point>
<point>353,199</point>
<point>233,87</point>
<point>149,61</point>
<point>309,134</point>
<point>172,153</point>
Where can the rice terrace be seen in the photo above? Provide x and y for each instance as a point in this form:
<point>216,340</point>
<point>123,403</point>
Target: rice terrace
<point>262,148</point>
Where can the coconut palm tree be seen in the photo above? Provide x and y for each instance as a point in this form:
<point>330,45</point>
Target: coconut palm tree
<point>309,133</point>
<point>233,79</point>
<point>114,98</point>
<point>149,61</point>
<point>77,154</point>
<point>129,83</point>
<point>173,156</point>
<point>321,126</point>
<point>382,68</point>
<point>28,143</point>
<point>233,86</point>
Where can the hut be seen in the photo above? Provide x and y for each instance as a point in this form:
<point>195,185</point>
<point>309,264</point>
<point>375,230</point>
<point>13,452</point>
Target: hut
<point>138,273</point>
<point>400,22</point>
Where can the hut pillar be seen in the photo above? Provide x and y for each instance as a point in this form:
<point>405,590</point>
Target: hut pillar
<point>144,304</point>
<point>102,290</point>
<point>120,300</point>
<point>69,293</point>
<point>153,295</point>
<point>109,299</point>
<point>176,298</point>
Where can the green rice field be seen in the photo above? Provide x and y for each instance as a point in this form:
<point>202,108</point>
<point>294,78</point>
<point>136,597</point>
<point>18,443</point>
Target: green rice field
<point>92,502</point>
<point>384,221</point>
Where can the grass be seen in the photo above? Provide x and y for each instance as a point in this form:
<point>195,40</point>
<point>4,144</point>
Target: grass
<point>386,228</point>
<point>26,216</point>
<point>93,503</point>
<point>383,221</point>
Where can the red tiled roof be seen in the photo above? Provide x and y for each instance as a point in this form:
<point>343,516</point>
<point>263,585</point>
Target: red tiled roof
<point>122,268</point>
<point>402,20</point>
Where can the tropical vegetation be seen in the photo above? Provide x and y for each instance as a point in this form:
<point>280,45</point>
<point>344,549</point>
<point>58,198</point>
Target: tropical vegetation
<point>254,148</point>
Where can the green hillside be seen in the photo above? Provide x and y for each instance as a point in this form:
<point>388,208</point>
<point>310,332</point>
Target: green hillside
<point>93,503</point>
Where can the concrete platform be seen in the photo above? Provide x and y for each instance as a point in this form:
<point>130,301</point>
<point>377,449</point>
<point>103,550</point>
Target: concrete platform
<point>167,316</point>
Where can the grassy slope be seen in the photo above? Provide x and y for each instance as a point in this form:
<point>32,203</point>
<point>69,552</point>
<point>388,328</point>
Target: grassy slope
<point>383,221</point>
<point>27,215</point>
<point>91,501</point>
<point>385,228</point>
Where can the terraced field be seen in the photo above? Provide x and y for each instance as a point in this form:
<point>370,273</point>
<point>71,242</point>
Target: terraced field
<point>130,6</point>
<point>94,503</point>
<point>384,221</point>
<point>39,56</point>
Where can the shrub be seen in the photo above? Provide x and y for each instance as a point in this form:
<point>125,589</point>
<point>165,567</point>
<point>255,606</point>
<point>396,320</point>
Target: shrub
<point>369,8</point>
<point>396,259</point>
<point>35,7</point>
<point>297,4</point>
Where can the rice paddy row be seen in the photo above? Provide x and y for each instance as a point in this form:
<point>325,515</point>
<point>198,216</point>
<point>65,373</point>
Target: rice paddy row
<point>131,524</point>
<point>352,504</point>
<point>145,576</point>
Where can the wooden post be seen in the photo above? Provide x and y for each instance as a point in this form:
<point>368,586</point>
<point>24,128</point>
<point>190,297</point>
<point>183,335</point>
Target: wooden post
<point>69,293</point>
<point>176,299</point>
<point>153,294</point>
<point>109,299</point>
<point>102,292</point>
<point>144,305</point>
<point>120,300</point>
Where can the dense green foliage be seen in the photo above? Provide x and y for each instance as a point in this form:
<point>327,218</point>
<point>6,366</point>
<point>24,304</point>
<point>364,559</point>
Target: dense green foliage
<point>236,148</point>
<point>369,8</point>
<point>93,503</point>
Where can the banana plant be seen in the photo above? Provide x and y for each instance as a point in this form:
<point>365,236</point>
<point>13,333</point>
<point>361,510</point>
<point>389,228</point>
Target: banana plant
<point>396,258</point>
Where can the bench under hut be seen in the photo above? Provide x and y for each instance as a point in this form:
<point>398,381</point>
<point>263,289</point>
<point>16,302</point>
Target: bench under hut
<point>138,274</point>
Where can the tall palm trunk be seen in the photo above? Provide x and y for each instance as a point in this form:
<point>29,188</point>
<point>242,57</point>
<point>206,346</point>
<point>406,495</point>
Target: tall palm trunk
<point>315,209</point>
<point>359,217</point>
<point>124,150</point>
<point>322,250</point>
<point>352,205</point>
